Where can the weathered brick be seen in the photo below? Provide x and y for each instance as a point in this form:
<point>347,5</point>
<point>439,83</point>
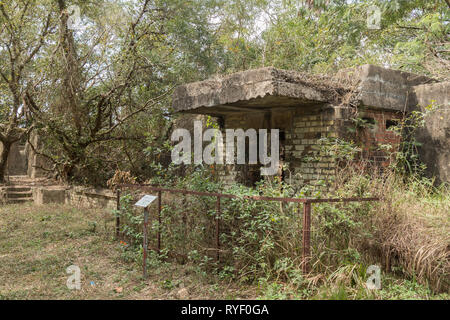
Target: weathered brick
<point>301,130</point>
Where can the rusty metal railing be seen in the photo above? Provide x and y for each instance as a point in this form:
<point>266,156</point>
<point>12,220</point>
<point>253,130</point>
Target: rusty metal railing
<point>306,233</point>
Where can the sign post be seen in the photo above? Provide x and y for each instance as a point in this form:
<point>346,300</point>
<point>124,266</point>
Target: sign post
<point>145,202</point>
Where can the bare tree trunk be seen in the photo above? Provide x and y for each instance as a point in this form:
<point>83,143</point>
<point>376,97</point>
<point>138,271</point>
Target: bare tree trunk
<point>4,160</point>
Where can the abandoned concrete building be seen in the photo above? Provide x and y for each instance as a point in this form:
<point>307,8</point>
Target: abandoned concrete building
<point>307,108</point>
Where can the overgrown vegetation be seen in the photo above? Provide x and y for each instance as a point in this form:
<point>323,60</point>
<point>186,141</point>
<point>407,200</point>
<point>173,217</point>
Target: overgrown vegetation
<point>99,98</point>
<point>406,233</point>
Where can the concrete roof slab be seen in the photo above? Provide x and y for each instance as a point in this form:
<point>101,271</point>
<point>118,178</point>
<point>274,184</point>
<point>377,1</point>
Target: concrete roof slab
<point>269,87</point>
<point>244,88</point>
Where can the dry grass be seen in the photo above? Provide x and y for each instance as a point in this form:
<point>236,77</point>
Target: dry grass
<point>411,228</point>
<point>414,233</point>
<point>37,244</point>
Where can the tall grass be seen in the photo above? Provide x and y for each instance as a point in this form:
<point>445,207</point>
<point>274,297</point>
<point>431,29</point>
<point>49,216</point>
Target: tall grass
<point>408,231</point>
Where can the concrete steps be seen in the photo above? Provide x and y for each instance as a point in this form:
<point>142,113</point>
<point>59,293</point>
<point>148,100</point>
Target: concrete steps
<point>18,194</point>
<point>23,189</point>
<point>27,181</point>
<point>21,180</point>
<point>18,190</point>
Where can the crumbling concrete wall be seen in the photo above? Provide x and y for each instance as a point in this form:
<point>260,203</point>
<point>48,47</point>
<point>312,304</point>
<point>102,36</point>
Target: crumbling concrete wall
<point>310,125</point>
<point>77,196</point>
<point>386,88</point>
<point>22,160</point>
<point>45,195</point>
<point>83,197</point>
<point>17,159</point>
<point>36,162</point>
<point>378,134</point>
<point>435,135</point>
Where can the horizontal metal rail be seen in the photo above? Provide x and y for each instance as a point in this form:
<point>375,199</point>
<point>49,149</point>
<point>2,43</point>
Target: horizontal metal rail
<point>232,196</point>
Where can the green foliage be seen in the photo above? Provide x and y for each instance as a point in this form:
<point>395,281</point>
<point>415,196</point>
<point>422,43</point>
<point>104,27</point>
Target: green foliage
<point>131,221</point>
<point>339,150</point>
<point>88,96</point>
<point>258,238</point>
<point>321,37</point>
<point>407,161</point>
<point>258,231</point>
<point>122,63</point>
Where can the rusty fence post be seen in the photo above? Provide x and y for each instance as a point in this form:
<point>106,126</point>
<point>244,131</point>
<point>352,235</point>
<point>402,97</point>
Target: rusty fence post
<point>218,229</point>
<point>159,221</point>
<point>185,228</point>
<point>306,236</point>
<point>145,243</point>
<point>117,214</point>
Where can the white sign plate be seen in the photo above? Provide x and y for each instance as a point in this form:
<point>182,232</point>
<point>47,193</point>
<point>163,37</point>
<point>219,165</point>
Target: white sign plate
<point>145,201</point>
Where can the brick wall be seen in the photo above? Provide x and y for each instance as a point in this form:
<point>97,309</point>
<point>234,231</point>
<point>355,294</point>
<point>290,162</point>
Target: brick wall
<point>302,129</point>
<point>235,173</point>
<point>305,164</point>
<point>372,136</point>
